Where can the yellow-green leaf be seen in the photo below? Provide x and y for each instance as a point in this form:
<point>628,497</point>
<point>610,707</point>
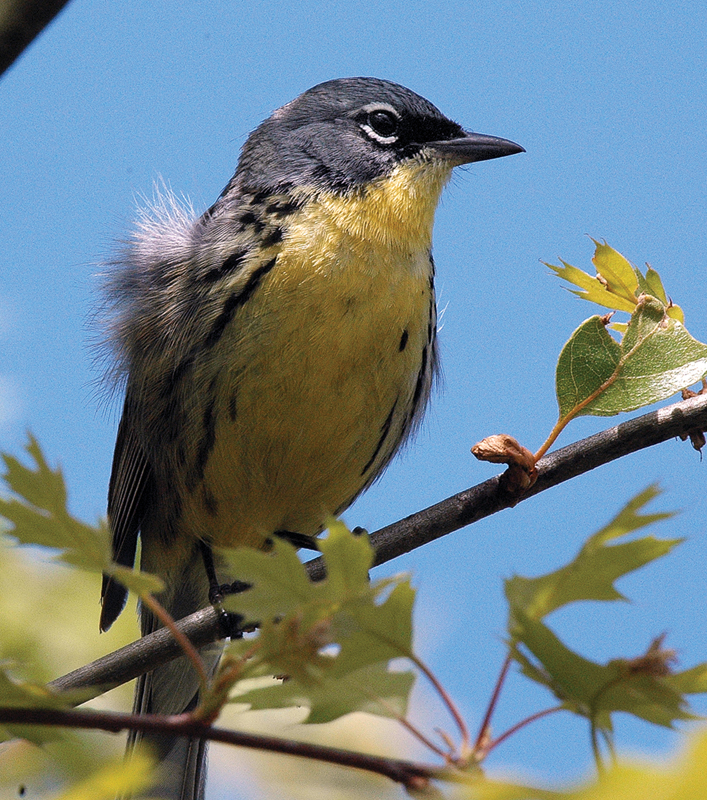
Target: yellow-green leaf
<point>684,778</point>
<point>123,778</point>
<point>599,563</point>
<point>616,271</point>
<point>591,288</point>
<point>333,638</point>
<point>38,513</point>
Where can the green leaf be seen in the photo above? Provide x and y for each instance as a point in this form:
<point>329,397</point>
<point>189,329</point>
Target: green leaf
<point>348,559</point>
<point>372,689</point>
<point>656,358</point>
<point>654,286</point>
<point>591,574</point>
<point>39,516</point>
<point>691,681</point>
<point>595,690</point>
<point>135,580</point>
<point>126,777</point>
<point>15,693</point>
<point>587,362</point>
<point>591,288</point>
<point>333,639</point>
<point>280,583</point>
<point>643,686</point>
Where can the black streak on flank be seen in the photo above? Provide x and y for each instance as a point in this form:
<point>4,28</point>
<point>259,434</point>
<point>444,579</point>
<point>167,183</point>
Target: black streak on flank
<point>209,502</point>
<point>249,220</point>
<point>235,301</point>
<point>205,446</point>
<point>272,237</point>
<point>420,379</point>
<point>229,266</point>
<point>283,208</point>
<point>174,377</point>
<point>385,429</point>
<point>403,341</point>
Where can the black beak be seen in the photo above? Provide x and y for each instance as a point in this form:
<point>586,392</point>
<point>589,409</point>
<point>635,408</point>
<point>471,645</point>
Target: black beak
<point>473,147</point>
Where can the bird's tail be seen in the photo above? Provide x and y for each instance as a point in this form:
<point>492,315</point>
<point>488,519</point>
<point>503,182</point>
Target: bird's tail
<point>181,762</point>
<point>173,688</point>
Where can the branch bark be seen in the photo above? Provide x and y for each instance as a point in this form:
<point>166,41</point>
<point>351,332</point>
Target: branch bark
<point>408,773</point>
<point>415,531</point>
<point>20,22</point>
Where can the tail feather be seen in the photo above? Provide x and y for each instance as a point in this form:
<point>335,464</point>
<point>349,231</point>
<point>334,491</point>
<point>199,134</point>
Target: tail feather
<point>181,770</point>
<point>173,688</point>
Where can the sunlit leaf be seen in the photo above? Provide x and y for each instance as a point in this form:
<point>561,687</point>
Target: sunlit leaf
<point>372,689</point>
<point>591,288</point>
<point>127,777</point>
<point>656,358</point>
<point>616,272</point>
<point>617,285</point>
<point>685,778</point>
<point>38,513</point>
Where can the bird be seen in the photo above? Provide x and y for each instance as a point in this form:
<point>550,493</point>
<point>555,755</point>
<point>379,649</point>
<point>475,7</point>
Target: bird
<point>275,351</point>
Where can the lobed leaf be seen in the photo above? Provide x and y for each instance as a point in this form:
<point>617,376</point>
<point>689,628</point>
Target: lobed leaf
<point>333,639</point>
<point>597,690</point>
<point>616,272</point>
<point>371,689</point>
<point>39,516</point>
<point>618,284</point>
<point>591,574</point>
<point>644,686</point>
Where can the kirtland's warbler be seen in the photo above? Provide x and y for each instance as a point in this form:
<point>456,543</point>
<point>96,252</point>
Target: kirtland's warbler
<point>276,350</point>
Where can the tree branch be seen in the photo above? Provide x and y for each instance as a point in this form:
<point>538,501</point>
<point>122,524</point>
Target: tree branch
<point>407,773</point>
<point>416,530</point>
<point>20,22</point>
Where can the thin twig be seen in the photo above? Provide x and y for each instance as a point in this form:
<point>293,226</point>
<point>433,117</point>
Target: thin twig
<point>407,773</point>
<point>448,702</point>
<point>515,728</point>
<point>479,745</point>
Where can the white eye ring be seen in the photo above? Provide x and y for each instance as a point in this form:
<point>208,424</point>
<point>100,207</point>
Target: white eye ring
<point>386,114</point>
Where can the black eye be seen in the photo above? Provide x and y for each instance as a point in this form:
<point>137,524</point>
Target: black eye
<point>384,123</point>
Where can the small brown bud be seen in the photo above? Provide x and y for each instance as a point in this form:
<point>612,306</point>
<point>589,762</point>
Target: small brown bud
<point>696,436</point>
<point>656,661</point>
<point>504,449</point>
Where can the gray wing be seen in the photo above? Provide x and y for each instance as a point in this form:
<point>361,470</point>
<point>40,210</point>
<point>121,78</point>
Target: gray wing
<point>131,478</point>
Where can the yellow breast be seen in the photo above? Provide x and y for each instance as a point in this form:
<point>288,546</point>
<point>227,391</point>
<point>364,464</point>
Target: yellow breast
<point>324,363</point>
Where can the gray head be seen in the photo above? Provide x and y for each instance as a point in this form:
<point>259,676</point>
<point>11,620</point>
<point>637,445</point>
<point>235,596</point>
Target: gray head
<point>344,133</point>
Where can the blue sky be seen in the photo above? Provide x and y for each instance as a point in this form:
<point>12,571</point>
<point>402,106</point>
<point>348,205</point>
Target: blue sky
<point>609,101</point>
